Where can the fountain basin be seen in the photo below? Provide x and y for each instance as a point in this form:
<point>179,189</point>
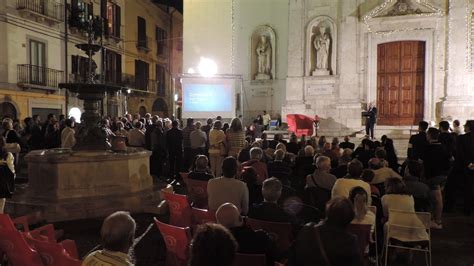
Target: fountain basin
<point>65,184</point>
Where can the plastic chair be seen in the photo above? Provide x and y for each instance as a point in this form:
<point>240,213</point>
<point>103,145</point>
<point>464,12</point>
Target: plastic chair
<point>17,250</point>
<point>197,192</point>
<point>373,209</point>
<point>249,260</point>
<point>177,241</point>
<point>8,224</point>
<point>52,253</point>
<point>362,231</point>
<point>47,231</point>
<point>202,216</point>
<point>280,232</point>
<point>405,225</point>
<point>180,210</point>
<point>44,234</point>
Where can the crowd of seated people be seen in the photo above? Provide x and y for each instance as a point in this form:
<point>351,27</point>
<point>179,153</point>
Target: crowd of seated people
<point>270,180</point>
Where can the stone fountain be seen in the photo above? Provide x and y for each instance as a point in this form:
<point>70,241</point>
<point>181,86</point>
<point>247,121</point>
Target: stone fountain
<point>89,180</point>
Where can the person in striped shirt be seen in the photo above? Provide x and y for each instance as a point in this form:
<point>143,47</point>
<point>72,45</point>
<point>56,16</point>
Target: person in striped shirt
<point>117,234</point>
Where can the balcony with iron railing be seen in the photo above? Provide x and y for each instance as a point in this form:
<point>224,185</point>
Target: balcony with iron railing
<point>131,82</point>
<point>37,77</point>
<point>144,44</point>
<point>50,10</point>
<point>126,81</point>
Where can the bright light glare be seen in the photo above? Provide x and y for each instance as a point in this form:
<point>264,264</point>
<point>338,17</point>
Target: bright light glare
<point>207,67</point>
<point>191,70</point>
<point>76,113</point>
<point>175,97</point>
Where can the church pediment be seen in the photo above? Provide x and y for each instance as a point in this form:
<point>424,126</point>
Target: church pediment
<point>392,8</point>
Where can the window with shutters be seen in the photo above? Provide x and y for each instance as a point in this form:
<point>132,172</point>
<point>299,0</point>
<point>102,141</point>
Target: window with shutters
<point>160,41</point>
<point>113,67</point>
<point>161,81</point>
<point>142,39</point>
<point>82,9</point>
<point>113,19</point>
<point>80,68</point>
<point>141,75</point>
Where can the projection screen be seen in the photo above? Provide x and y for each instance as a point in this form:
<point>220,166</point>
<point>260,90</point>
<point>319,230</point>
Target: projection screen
<point>208,97</point>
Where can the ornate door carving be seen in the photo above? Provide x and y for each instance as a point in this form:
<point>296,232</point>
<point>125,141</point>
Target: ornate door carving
<point>400,82</point>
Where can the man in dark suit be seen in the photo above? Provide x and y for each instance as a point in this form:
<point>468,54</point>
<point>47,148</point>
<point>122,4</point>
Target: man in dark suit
<point>465,159</point>
<point>370,120</point>
<point>269,210</point>
<point>436,168</point>
<point>418,142</point>
<point>174,143</point>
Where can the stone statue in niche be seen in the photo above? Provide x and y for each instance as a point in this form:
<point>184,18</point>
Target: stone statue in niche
<point>264,59</point>
<point>322,43</point>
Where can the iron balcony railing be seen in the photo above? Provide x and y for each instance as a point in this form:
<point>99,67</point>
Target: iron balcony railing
<point>132,82</point>
<point>144,44</point>
<point>125,80</point>
<point>31,75</point>
<point>47,8</point>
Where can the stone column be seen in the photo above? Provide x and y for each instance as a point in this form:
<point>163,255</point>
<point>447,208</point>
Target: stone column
<point>348,104</point>
<point>459,99</point>
<point>296,42</point>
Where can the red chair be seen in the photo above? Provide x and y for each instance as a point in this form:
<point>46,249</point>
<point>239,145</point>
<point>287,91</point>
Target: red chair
<point>17,250</point>
<point>52,253</point>
<point>202,216</point>
<point>177,241</point>
<point>197,191</point>
<point>22,221</point>
<point>7,223</point>
<point>362,231</point>
<point>300,124</point>
<point>180,210</point>
<point>44,234</point>
<point>249,260</point>
<point>280,232</point>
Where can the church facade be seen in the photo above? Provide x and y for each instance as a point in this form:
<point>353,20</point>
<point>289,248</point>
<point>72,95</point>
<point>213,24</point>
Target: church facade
<point>412,58</point>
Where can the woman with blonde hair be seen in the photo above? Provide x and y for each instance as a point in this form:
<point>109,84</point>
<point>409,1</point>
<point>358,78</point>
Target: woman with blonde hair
<point>358,197</point>
<point>217,148</point>
<point>235,137</point>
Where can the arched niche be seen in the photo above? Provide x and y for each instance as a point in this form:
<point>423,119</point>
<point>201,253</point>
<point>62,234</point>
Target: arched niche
<point>263,39</point>
<point>314,30</point>
<point>8,109</point>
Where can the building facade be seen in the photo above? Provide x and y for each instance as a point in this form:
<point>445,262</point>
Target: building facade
<point>30,69</point>
<point>39,41</point>
<point>412,58</point>
<point>151,55</point>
